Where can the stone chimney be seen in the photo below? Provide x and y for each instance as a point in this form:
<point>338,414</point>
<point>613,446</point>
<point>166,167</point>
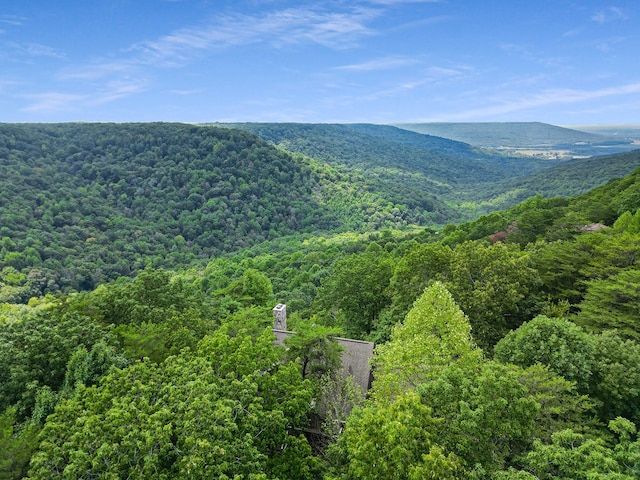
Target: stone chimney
<point>280,317</point>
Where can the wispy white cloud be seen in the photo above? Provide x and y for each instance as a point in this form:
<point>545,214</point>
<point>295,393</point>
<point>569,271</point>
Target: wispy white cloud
<point>437,73</point>
<point>574,32</point>
<point>114,77</point>
<point>608,45</point>
<point>95,71</point>
<point>422,22</point>
<point>6,84</point>
<point>385,63</point>
<point>27,52</point>
<point>429,76</point>
<point>609,15</point>
<point>399,2</point>
<point>185,92</point>
<point>340,26</point>
<point>31,49</point>
<point>67,102</point>
<point>51,102</point>
<point>529,55</point>
<point>12,20</point>
<point>115,90</point>
<point>335,30</point>
<point>545,98</point>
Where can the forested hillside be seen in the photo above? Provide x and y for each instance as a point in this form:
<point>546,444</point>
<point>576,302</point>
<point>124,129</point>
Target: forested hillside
<point>566,179</point>
<point>368,145</point>
<point>84,203</point>
<point>507,348</point>
<point>406,164</point>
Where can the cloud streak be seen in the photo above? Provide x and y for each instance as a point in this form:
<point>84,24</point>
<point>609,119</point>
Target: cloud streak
<point>48,102</point>
<point>385,63</point>
<point>548,98</point>
<point>336,30</point>
<point>12,20</point>
<point>51,102</point>
<point>430,75</point>
<point>401,2</point>
<point>609,15</point>
<point>31,49</point>
<point>294,26</point>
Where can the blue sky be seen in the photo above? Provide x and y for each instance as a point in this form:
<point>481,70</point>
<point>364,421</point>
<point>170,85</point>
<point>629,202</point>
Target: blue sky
<point>379,61</point>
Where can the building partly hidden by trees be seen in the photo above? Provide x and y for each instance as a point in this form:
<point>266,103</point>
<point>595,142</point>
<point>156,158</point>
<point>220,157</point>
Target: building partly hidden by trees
<point>494,361</point>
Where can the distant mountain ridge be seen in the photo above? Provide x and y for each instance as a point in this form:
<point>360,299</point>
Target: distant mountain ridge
<point>525,135</point>
<point>624,132</point>
<point>409,165</point>
<point>367,145</point>
<point>504,134</point>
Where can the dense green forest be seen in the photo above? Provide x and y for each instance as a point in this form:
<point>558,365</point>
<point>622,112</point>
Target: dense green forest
<point>471,181</point>
<point>565,179</point>
<point>508,347</point>
<point>83,204</point>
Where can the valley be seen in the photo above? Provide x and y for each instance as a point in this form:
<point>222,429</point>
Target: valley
<point>140,264</point>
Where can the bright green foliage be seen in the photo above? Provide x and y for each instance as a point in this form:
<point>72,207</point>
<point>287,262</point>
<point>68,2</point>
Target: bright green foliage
<point>232,404</point>
<point>390,441</point>
<point>87,367</point>
<point>494,285</point>
<point>616,376</point>
<point>413,271</point>
<point>613,303</point>
<point>561,406</point>
<point>315,349</point>
<point>626,451</point>
<point>569,268</point>
<point>573,456</point>
<point>252,320</point>
<point>561,266</point>
<point>534,217</point>
<point>155,314</point>
<point>252,288</point>
<point>558,343</point>
<point>34,353</point>
<point>612,253</point>
<point>358,290</point>
<point>628,222</point>
<point>108,199</point>
<point>434,334</point>
<point>17,443</point>
<point>229,409</point>
<point>153,296</point>
<point>486,415</point>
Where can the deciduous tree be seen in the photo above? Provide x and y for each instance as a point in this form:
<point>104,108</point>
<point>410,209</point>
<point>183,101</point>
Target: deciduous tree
<point>434,334</point>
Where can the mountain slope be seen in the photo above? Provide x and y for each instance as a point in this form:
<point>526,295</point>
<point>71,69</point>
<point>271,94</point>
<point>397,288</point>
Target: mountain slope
<point>366,145</point>
<point>528,138</point>
<point>567,179</point>
<point>505,134</point>
<point>82,203</point>
<point>407,164</point>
